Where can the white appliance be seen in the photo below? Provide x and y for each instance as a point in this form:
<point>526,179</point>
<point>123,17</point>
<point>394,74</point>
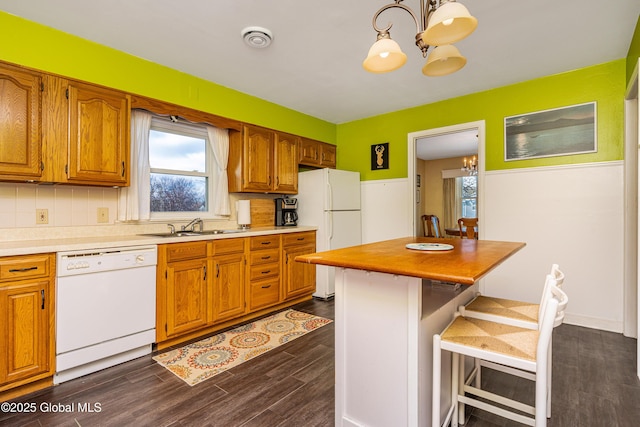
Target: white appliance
<point>106,308</point>
<point>330,200</point>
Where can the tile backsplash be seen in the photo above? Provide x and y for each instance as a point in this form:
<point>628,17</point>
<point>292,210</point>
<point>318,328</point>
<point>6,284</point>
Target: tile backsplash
<point>74,211</point>
<point>66,206</point>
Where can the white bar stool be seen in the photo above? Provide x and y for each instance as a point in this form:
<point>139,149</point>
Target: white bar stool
<point>512,312</point>
<point>515,348</point>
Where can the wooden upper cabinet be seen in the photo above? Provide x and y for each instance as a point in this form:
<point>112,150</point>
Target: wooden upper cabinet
<point>99,135</point>
<point>317,154</point>
<point>286,163</point>
<point>309,152</point>
<point>262,161</point>
<point>327,155</point>
<point>20,124</point>
<point>257,162</point>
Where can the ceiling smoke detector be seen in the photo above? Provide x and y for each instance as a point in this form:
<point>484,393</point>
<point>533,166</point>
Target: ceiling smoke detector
<point>257,37</point>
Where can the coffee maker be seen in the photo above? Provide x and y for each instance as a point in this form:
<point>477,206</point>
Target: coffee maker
<point>286,214</point>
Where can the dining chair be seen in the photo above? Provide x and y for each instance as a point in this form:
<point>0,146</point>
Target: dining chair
<point>431,225</point>
<point>468,227</point>
<point>521,349</point>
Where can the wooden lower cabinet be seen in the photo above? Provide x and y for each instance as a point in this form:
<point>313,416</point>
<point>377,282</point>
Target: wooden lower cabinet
<point>181,289</point>
<point>298,278</point>
<point>264,272</point>
<point>27,322</point>
<point>229,272</point>
<point>206,286</point>
<point>186,296</point>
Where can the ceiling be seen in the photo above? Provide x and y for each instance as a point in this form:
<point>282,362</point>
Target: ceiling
<point>314,64</point>
<point>444,146</point>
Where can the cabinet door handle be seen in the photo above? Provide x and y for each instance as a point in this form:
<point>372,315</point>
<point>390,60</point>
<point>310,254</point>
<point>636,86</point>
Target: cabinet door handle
<point>300,239</point>
<point>123,169</point>
<point>266,257</point>
<point>205,273</point>
<point>20,270</point>
<point>266,287</point>
<point>265,272</point>
<point>266,243</point>
<point>218,270</point>
<point>42,297</point>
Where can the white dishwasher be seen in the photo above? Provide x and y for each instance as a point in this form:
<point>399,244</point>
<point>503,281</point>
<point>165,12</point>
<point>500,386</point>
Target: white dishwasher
<point>105,308</point>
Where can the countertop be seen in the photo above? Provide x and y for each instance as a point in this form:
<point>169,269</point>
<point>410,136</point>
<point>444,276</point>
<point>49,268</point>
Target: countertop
<point>467,262</point>
<point>26,247</point>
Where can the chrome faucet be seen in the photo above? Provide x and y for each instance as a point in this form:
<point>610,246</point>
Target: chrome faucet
<point>192,225</point>
<point>172,228</point>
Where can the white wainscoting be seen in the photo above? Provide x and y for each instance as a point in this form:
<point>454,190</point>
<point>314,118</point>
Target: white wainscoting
<point>384,210</point>
<point>570,215</point>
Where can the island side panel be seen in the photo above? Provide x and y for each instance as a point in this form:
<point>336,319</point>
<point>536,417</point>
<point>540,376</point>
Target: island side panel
<point>377,348</point>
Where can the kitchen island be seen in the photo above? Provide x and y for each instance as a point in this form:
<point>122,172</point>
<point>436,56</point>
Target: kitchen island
<point>389,302</point>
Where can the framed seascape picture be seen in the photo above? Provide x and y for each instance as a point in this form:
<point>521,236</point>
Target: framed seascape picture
<point>558,132</point>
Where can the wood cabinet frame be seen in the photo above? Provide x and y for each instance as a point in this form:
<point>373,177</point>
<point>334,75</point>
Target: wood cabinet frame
<point>227,280</point>
<point>27,323</point>
<point>262,160</point>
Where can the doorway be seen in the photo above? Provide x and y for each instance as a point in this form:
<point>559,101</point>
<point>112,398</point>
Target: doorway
<point>631,218</point>
<point>424,137</point>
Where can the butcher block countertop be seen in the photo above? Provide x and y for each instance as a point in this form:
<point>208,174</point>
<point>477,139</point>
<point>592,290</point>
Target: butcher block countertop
<point>468,261</point>
<point>26,247</point>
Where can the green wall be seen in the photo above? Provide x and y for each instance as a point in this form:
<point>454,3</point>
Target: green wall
<point>604,83</point>
<point>46,49</point>
<point>634,51</point>
<point>53,51</point>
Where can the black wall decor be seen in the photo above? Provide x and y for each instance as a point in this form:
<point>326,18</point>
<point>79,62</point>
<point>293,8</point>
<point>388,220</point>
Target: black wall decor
<point>380,156</point>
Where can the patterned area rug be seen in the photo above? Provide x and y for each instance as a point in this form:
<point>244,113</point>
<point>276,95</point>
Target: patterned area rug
<point>199,361</point>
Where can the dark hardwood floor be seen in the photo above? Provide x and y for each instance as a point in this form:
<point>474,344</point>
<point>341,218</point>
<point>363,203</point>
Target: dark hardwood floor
<point>594,384</point>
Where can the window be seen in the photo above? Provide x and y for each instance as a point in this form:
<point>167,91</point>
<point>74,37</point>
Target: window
<point>468,196</point>
<point>180,159</point>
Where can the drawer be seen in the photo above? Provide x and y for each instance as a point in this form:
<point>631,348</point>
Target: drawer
<point>262,271</point>
<point>182,251</point>
<point>25,267</point>
<point>266,256</point>
<point>264,293</point>
<point>265,242</point>
<point>227,246</point>
<point>294,239</point>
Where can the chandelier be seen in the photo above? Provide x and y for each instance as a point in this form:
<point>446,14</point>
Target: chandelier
<point>470,167</point>
<point>441,23</point>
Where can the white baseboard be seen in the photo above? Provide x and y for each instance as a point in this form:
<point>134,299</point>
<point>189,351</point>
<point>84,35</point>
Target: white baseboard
<point>593,323</point>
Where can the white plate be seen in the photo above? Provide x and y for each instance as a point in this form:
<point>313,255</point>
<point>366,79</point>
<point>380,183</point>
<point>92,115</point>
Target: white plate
<point>430,246</point>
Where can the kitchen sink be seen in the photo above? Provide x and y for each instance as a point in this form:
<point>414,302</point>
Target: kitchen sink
<point>192,233</point>
<point>220,231</point>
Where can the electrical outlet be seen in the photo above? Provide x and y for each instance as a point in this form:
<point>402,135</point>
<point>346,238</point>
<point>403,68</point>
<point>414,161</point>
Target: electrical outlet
<point>103,215</point>
<point>42,216</point>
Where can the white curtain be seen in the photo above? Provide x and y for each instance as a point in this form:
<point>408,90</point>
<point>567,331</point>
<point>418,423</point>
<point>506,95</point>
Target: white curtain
<point>219,141</point>
<point>134,203</point>
<point>449,203</point>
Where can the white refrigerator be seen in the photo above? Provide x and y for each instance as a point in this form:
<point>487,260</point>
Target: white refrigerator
<point>330,200</point>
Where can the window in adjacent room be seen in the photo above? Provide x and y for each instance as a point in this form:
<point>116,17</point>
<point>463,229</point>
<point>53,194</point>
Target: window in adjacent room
<point>468,196</point>
<point>181,165</point>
